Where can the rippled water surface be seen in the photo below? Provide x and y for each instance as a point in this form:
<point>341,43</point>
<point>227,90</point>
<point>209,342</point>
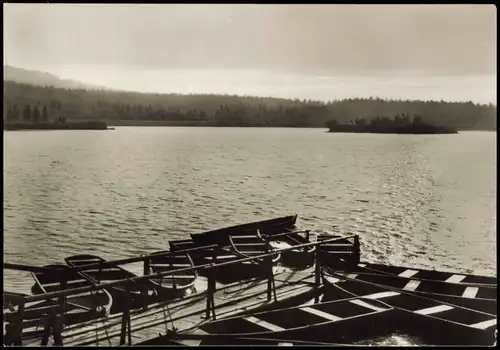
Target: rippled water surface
<point>424,201</point>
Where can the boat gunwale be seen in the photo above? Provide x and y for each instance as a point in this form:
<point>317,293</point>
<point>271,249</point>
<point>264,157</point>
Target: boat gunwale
<point>194,276</point>
<point>411,294</point>
<point>106,307</point>
<point>284,331</point>
<point>427,270</point>
<point>234,247</point>
<point>137,292</point>
<point>399,278</point>
<point>298,307</point>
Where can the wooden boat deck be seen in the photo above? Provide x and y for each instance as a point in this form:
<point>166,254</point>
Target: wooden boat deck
<point>212,298</point>
<point>189,312</point>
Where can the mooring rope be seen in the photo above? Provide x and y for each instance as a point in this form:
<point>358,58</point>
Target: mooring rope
<point>105,320</point>
<point>163,306</point>
<point>409,311</point>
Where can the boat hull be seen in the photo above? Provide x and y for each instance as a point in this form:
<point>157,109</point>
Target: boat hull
<point>221,236</point>
<point>339,321</point>
<point>48,282</point>
<point>434,322</point>
<point>176,284</point>
<point>130,295</point>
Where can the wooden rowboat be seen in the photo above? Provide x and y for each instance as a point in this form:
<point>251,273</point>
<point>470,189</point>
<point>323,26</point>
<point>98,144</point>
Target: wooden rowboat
<point>338,256</point>
<point>36,315</point>
<point>135,293</point>
<point>422,274</point>
<point>335,321</point>
<point>482,298</point>
<point>251,245</point>
<point>242,244</point>
<point>62,278</point>
<point>297,258</point>
<point>246,246</point>
<point>204,256</point>
<point>177,283</point>
<point>435,321</point>
<point>220,236</point>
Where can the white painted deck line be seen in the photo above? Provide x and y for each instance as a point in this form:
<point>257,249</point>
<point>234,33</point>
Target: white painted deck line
<point>280,245</point>
<point>455,279</point>
<point>332,279</point>
<point>97,270</point>
<point>169,265</point>
<point>322,314</point>
<point>485,324</point>
<point>58,283</point>
<point>470,292</point>
<point>193,342</point>
<point>310,302</point>
<point>167,277</point>
<point>362,265</point>
<point>285,344</point>
<point>412,285</point>
<point>434,310</point>
<point>262,323</point>
<point>365,304</point>
<point>408,273</point>
<point>352,275</point>
<point>381,295</point>
<point>84,294</point>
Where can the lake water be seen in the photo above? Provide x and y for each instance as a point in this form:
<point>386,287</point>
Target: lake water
<point>419,200</point>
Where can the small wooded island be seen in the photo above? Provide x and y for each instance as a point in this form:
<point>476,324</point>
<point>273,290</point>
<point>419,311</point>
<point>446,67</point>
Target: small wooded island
<point>34,120</point>
<point>89,125</point>
<point>385,125</point>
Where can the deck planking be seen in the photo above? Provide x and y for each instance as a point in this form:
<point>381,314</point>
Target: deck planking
<point>188,312</point>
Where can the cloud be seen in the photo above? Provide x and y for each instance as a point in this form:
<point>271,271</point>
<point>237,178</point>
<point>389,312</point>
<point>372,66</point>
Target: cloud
<point>435,39</point>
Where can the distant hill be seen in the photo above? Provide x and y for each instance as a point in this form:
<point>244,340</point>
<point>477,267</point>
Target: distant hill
<point>33,77</point>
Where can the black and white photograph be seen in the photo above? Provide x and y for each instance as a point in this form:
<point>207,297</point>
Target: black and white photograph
<point>193,174</point>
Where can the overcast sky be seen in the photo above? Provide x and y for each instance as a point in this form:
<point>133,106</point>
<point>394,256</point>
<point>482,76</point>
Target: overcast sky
<point>213,47</point>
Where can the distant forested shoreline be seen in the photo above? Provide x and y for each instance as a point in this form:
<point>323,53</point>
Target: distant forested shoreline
<point>30,103</point>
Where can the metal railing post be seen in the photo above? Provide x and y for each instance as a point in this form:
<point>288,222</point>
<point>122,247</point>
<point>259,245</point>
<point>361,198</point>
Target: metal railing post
<point>57,328</point>
<point>269,265</point>
<point>317,272</point>
<point>211,288</point>
<point>126,321</point>
<point>271,287</point>
<point>17,327</point>
<point>62,299</point>
<point>147,262</point>
<point>357,250</point>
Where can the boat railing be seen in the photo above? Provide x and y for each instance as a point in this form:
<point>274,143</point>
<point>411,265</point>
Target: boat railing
<point>111,263</point>
<point>212,268</point>
<point>273,236</point>
<point>66,292</point>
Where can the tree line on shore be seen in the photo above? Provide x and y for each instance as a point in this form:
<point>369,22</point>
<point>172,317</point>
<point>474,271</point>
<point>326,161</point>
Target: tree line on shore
<point>400,124</point>
<point>30,114</point>
<point>399,120</point>
<point>29,103</point>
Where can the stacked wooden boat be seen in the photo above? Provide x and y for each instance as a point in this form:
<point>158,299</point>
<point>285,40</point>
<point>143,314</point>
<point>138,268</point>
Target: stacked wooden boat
<point>440,308</point>
<point>360,300</point>
<point>241,241</point>
<point>363,300</point>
